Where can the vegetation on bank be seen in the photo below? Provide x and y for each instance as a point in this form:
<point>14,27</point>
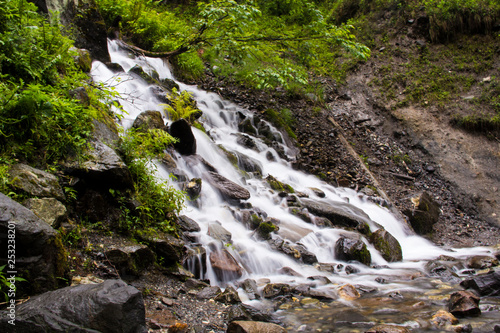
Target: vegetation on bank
<point>47,106</point>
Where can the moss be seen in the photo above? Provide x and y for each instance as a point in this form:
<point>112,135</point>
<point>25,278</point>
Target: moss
<point>264,230</point>
<point>279,186</point>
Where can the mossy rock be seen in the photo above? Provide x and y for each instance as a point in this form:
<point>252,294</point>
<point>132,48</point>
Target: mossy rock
<point>349,248</point>
<point>387,245</point>
<point>279,186</point>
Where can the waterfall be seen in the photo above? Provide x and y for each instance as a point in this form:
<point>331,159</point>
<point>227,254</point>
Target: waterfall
<point>257,258</point>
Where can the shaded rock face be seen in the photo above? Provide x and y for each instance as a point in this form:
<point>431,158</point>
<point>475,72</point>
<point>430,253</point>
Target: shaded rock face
<point>225,266</point>
<point>347,249</point>
<point>35,182</point>
<point>40,255</point>
<point>340,214</point>
<point>168,249</point>
<point>149,120</point>
<point>104,169</point>
<point>182,130</point>
<point>229,296</point>
<point>228,189</point>
<point>111,306</point>
<point>83,22</point>
<point>485,285</point>
<point>131,259</point>
<point>253,327</point>
<point>425,214</point>
<point>464,303</point>
<point>387,245</point>
<point>188,224</point>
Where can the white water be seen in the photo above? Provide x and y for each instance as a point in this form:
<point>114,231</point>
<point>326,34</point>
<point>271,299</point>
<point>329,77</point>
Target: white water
<point>220,119</point>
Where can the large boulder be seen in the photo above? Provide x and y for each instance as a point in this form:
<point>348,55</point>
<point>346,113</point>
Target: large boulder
<point>225,266</point>
<point>168,249</point>
<point>387,245</point>
<point>339,213</point>
<point>227,188</point>
<point>254,327</point>
<point>424,215</point>
<point>40,255</point>
<point>187,142</point>
<point>111,306</point>
<point>35,182</point>
<point>149,120</point>
<point>103,169</point>
<point>485,284</point>
<point>350,248</point>
<point>463,304</point>
<point>130,260</point>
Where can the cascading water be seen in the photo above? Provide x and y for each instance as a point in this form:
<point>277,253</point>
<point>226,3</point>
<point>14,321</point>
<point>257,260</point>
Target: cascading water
<point>256,258</point>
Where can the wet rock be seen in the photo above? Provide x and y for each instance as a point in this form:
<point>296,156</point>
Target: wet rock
<point>443,318</point>
<point>254,327</point>
<point>320,278</point>
<point>35,182</point>
<point>248,164</point>
<point>208,293</point>
<point>296,251</point>
<point>40,255</point>
<point>228,189</point>
<point>485,284</point>
<point>182,130</point>
<point>288,271</point>
<point>425,214</point>
<point>248,313</point>
<point>319,193</point>
<point>246,141</point>
<point>218,232</point>
<point>279,186</point>
<point>265,229</point>
<point>195,260</point>
<point>111,306</point>
<point>322,222</point>
<point>251,289</point>
<point>246,126</point>
<point>225,266</point>
<point>349,248</point>
<point>147,120</point>
<point>339,213</point>
<point>348,292</point>
<point>188,224</point>
<point>271,290</point>
<point>50,210</point>
<point>139,71</point>
<point>169,84</point>
<point>229,296</point>
<point>481,262</point>
<point>443,270</point>
<point>168,249</point>
<point>103,169</point>
<point>387,245</point>
<point>168,161</point>
<point>131,260</point>
<point>388,329</point>
<point>464,304</point>
<point>193,188</point>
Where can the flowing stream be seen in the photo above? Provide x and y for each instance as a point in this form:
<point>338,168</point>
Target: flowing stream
<point>257,259</point>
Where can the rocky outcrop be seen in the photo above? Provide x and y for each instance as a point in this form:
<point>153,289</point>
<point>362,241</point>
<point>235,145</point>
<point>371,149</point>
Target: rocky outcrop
<point>485,284</point>
<point>181,130</point>
<point>168,249</point>
<point>425,214</point>
<point>49,210</point>
<point>40,255</point>
<point>188,224</point>
<point>225,266</point>
<point>463,304</point>
<point>254,327</point>
<point>228,296</point>
<point>387,245</point>
<point>130,260</point>
<point>103,169</point>
<point>111,306</point>
<point>339,213</point>
<point>35,182</point>
<point>349,248</point>
<point>228,189</point>
<point>149,120</point>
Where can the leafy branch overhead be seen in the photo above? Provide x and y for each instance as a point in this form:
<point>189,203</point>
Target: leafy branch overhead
<point>283,48</point>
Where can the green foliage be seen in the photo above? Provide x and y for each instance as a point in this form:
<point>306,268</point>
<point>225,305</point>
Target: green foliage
<point>160,202</point>
<point>283,119</point>
<point>183,105</point>
<point>6,284</point>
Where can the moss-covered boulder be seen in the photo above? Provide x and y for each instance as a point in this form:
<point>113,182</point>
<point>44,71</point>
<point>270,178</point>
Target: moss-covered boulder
<point>279,186</point>
<point>351,248</point>
<point>424,215</point>
<point>35,182</point>
<point>387,245</point>
<point>40,256</point>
